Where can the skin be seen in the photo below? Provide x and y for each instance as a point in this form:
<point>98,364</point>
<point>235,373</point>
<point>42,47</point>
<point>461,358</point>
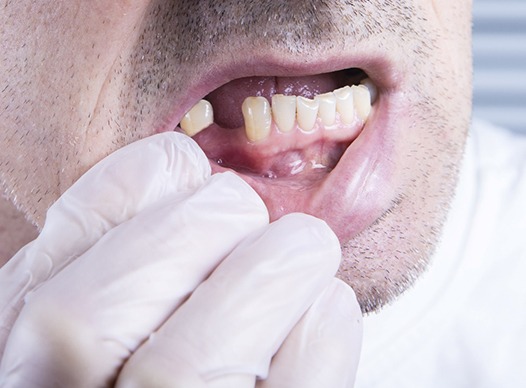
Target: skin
<point>79,80</point>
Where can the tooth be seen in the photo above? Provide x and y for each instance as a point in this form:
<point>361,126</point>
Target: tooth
<point>327,109</point>
<point>362,101</point>
<point>344,104</point>
<point>373,90</point>
<point>198,118</point>
<point>284,111</point>
<point>306,112</point>
<point>257,114</point>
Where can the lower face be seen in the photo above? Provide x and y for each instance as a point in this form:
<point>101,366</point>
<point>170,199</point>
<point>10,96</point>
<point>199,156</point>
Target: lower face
<point>377,161</point>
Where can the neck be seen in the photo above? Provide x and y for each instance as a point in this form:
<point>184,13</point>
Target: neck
<point>15,230</point>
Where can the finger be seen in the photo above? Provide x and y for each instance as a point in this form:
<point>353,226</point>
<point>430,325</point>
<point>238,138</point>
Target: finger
<point>129,282</point>
<point>161,373</point>
<point>116,189</point>
<point>323,349</point>
<point>236,320</point>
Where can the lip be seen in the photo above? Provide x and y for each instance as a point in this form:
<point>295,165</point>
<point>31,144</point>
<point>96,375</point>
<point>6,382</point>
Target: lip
<point>360,188</point>
<point>379,68</point>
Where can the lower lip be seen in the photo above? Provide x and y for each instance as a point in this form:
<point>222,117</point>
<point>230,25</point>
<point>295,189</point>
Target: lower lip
<point>350,197</point>
<point>359,189</point>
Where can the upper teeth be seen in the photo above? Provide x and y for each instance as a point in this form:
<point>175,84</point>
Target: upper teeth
<point>349,104</point>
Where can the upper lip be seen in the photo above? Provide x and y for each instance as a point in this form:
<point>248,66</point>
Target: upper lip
<point>378,68</point>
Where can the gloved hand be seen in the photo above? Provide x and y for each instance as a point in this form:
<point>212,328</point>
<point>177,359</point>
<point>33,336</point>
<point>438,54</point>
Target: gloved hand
<point>151,266</point>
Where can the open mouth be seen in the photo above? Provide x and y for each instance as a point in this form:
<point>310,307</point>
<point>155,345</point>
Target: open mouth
<point>279,127</point>
<point>304,143</point>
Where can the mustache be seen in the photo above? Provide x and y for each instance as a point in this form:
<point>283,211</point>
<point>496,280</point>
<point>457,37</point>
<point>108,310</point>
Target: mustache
<point>185,34</point>
<point>186,26</point>
<point>195,29</point>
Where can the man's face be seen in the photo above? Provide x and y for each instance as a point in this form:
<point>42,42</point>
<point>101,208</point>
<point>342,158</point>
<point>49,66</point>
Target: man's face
<point>81,79</point>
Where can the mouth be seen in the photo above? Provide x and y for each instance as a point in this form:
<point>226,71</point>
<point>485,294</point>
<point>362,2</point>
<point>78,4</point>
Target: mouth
<point>313,143</point>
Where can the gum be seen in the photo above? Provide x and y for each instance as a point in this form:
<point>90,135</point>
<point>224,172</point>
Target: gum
<point>281,154</point>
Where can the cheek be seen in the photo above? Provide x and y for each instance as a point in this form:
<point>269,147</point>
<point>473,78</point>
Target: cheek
<point>66,53</point>
<point>451,11</point>
<point>453,18</point>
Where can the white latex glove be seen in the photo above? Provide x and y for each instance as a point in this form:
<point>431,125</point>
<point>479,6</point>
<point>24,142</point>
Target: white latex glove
<point>128,243</point>
<point>227,332</point>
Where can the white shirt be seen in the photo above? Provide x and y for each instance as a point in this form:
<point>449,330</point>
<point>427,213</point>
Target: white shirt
<point>463,324</point>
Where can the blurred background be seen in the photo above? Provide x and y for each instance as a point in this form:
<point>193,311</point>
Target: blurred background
<point>499,55</point>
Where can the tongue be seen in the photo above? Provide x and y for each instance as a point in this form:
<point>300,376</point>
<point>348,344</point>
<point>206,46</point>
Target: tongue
<point>227,100</point>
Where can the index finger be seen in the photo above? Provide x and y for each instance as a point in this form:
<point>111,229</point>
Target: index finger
<point>113,191</point>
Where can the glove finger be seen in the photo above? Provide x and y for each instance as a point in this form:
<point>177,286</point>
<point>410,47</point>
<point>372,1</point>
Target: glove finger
<point>236,320</point>
<point>323,349</point>
<point>129,282</point>
<point>161,373</point>
<point>113,191</point>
